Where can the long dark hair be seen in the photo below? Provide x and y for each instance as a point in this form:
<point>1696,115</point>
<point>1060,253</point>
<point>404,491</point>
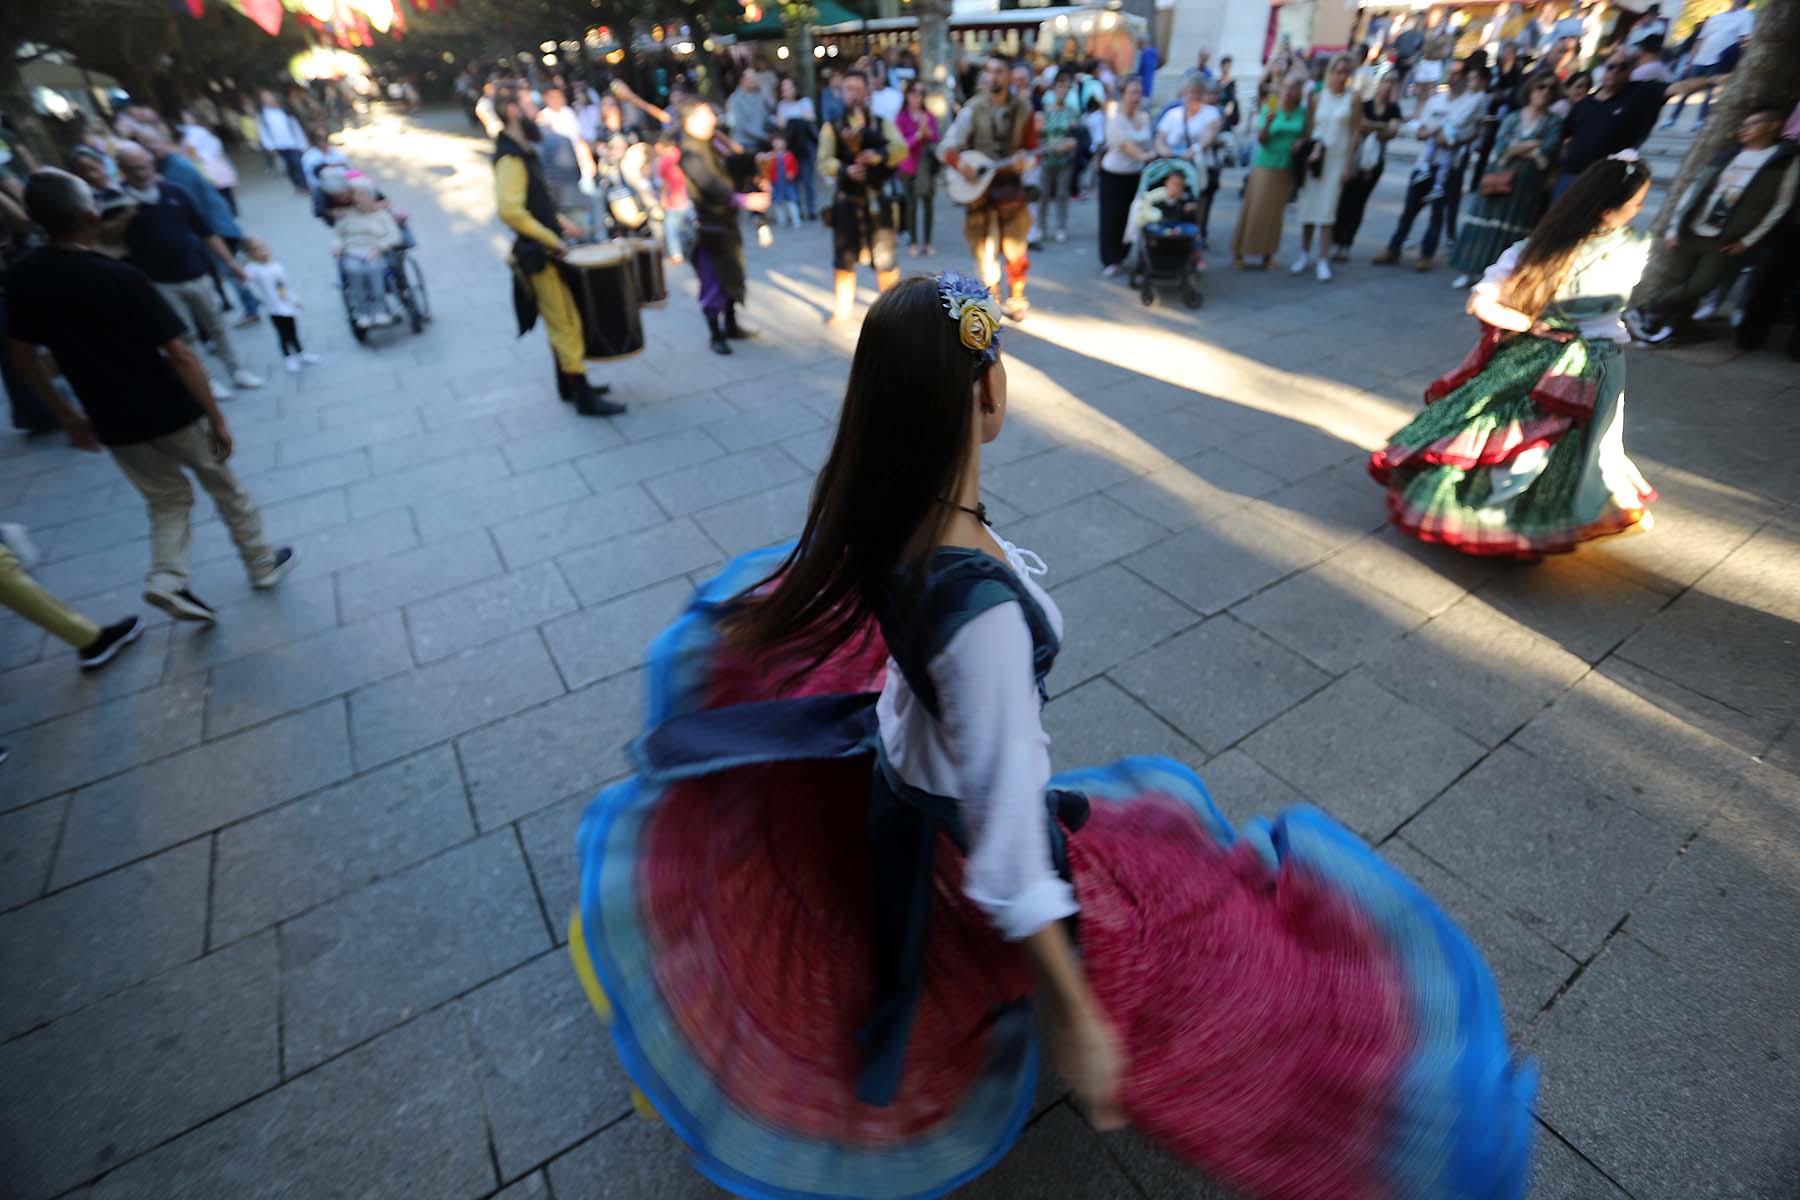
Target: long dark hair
<point>1550,251</point>
<point>878,508</point>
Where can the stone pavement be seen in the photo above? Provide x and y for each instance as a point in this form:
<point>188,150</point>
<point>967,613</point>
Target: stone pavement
<point>282,902</point>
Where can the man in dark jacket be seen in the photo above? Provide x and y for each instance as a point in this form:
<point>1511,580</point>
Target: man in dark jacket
<point>1737,201</point>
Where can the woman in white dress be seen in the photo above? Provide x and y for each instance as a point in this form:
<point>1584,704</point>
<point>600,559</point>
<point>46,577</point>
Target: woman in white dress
<point>1336,128</point>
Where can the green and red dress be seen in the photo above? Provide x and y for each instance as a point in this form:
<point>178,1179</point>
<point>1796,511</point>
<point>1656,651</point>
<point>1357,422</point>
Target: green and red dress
<point>1520,451</point>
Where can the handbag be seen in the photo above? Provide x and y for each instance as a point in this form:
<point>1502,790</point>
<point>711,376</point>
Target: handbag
<point>1368,155</point>
<point>1498,183</point>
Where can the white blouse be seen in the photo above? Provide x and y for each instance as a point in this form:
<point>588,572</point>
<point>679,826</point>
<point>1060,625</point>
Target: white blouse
<point>1614,269</point>
<point>989,752</point>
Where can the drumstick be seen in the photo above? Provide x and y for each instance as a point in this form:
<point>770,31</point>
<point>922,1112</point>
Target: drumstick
<point>623,91</point>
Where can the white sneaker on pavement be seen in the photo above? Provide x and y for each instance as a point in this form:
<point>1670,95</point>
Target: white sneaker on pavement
<point>1300,264</point>
<point>246,379</point>
<point>292,363</point>
<point>220,389</point>
<point>1322,269</point>
<point>1460,282</point>
<point>15,538</point>
<point>308,359</point>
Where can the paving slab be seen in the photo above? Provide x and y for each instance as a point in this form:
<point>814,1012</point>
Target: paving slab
<point>1682,1128</point>
<point>193,793</point>
<point>103,740</point>
<point>1328,618</point>
<point>120,1076</point>
<point>1365,756</point>
<point>546,1066</point>
<point>1578,606</point>
<point>1477,669</point>
<point>291,858</point>
<point>481,612</point>
<point>765,519</point>
<point>489,503</point>
<point>632,1160</point>
<point>1115,616</point>
<point>1529,968</point>
<point>1243,788</point>
<point>549,839</point>
<point>303,605</point>
<point>465,691</point>
<point>1099,722</point>
<point>637,560</point>
<point>647,459</point>
<point>572,744</point>
<point>1558,1172</point>
<point>1195,489</point>
<point>399,579</point>
<point>79,945</point>
<point>1736,653</point>
<point>27,843</point>
<point>1213,566</point>
<point>1058,1155</point>
<point>746,473</point>
<point>1428,577</point>
<point>402,1108</point>
<point>57,685</point>
<point>584,522</point>
<point>1604,732</point>
<point>1083,536</point>
<point>259,687</point>
<point>355,967</point>
<point>607,639</point>
<point>1561,858</point>
<point>1220,681</point>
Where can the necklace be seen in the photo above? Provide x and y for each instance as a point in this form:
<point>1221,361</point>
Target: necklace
<point>979,512</point>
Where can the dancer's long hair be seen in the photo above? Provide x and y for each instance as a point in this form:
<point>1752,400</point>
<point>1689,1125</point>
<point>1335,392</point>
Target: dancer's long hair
<point>1550,251</point>
<point>879,506</point>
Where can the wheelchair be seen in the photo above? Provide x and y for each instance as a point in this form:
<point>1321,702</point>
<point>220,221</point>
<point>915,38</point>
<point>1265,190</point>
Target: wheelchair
<point>401,279</point>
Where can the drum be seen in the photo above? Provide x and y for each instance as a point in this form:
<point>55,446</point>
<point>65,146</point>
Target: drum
<point>603,280</point>
<point>652,289</point>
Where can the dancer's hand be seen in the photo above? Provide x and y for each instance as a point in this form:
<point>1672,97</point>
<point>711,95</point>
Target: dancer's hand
<point>1093,1063</point>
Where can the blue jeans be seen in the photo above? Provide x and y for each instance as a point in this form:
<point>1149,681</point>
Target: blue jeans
<point>1417,188</point>
<point>366,280</point>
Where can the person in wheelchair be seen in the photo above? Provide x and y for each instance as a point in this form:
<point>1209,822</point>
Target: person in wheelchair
<point>365,236</point>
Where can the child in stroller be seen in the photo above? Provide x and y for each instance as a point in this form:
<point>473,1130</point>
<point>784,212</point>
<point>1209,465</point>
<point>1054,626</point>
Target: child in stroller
<point>1163,231</point>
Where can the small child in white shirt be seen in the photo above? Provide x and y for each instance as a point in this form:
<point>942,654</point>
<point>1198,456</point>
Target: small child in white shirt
<point>268,280</point>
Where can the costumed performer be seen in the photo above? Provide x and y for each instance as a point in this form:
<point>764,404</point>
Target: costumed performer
<point>818,914</point>
<point>717,188</point>
<point>1520,451</point>
<point>860,152</point>
<point>527,208</point>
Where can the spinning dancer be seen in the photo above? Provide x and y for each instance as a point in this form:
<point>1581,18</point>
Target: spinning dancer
<point>819,913</point>
<point>997,224</point>
<point>860,151</point>
<point>1521,451</point>
<point>527,208</point>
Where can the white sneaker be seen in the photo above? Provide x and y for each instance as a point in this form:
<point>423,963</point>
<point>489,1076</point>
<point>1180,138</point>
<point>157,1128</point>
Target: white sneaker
<point>15,538</point>
<point>292,363</point>
<point>246,379</point>
<point>308,359</point>
<point>1461,282</point>
<point>1300,264</point>
<point>1322,269</point>
<point>220,389</point>
<point>1707,309</point>
<point>1060,236</point>
<point>362,322</point>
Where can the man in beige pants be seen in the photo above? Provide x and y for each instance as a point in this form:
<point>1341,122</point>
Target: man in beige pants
<point>144,395</point>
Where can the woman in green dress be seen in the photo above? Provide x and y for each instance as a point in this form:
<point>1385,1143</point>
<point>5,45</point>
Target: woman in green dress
<point>1520,451</point>
<point>1526,145</point>
<point>1271,183</point>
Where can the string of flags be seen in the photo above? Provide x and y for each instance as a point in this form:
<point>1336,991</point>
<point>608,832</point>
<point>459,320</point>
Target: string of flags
<point>344,23</point>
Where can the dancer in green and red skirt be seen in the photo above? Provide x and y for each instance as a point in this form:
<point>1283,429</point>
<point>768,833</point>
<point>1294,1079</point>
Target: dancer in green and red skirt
<point>1520,452</point>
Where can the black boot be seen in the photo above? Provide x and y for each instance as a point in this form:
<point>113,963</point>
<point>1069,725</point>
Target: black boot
<point>587,398</point>
<point>733,329</point>
<point>718,343</point>
<point>562,383</point>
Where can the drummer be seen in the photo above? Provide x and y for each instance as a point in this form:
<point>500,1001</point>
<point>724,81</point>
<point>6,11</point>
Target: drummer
<point>524,201</point>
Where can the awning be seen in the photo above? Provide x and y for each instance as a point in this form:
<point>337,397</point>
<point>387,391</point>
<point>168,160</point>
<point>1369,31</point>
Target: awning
<point>830,13</point>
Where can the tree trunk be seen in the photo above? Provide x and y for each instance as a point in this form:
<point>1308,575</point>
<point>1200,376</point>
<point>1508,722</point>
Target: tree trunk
<point>937,62</point>
<point>805,66</point>
<point>1764,78</point>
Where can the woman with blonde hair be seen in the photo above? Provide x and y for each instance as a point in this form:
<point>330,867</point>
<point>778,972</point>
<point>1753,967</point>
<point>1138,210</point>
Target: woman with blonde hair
<point>1271,182</point>
<point>1336,123</point>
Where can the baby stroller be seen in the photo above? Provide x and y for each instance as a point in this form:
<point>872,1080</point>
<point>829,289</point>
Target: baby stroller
<point>1163,234</point>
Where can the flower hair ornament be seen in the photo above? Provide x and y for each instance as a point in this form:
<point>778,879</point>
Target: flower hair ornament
<point>976,315</point>
<point>1626,155</point>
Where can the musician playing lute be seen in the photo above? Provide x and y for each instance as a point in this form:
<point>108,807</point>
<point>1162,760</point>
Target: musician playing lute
<point>994,135</point>
<point>859,152</point>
